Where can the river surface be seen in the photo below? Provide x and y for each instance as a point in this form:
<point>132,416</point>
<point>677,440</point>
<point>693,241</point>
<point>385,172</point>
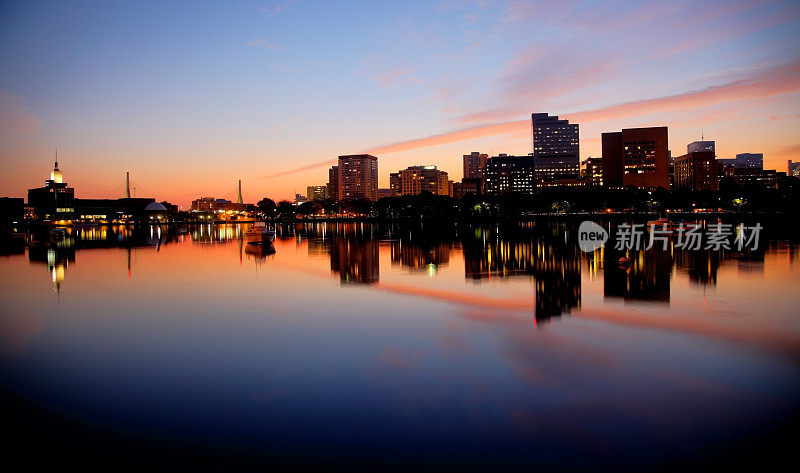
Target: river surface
<point>360,345</point>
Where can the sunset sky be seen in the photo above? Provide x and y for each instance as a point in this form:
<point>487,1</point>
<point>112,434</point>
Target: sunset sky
<point>191,96</point>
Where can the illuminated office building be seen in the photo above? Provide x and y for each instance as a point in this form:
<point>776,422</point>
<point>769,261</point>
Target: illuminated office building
<point>358,177</point>
<point>793,169</point>
<point>556,150</point>
<point>474,165</point>
<point>593,171</point>
<point>510,174</point>
<point>416,179</point>
<point>54,201</point>
<point>316,193</point>
<point>636,157</point>
<point>696,171</point>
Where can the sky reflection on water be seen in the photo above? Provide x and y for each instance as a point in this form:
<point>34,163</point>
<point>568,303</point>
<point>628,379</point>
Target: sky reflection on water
<point>473,347</point>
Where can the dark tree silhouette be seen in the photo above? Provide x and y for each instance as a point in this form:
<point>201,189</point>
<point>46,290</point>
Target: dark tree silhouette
<point>267,207</point>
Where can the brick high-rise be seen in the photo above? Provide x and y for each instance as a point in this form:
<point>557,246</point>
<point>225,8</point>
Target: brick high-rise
<point>636,157</point>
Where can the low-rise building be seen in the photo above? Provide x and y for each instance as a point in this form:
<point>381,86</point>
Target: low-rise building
<point>416,179</point>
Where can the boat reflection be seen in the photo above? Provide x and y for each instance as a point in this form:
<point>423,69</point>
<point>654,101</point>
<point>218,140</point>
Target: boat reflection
<point>259,250</point>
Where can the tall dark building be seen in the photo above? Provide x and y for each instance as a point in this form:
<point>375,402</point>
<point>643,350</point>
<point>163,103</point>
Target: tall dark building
<point>696,171</point>
<point>510,174</point>
<point>636,157</point>
<point>358,177</point>
<point>333,183</point>
<point>54,201</point>
<point>555,147</point>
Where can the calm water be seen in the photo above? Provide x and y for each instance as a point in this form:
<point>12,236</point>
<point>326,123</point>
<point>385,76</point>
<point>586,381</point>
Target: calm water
<point>355,344</point>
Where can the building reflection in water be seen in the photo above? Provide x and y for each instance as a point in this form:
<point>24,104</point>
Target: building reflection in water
<point>646,276</point>
<point>57,258</point>
<point>701,266</point>
<point>428,259</point>
<point>541,253</point>
<point>209,234</point>
<point>546,253</point>
<point>356,261</point>
<point>353,248</point>
<point>57,249</point>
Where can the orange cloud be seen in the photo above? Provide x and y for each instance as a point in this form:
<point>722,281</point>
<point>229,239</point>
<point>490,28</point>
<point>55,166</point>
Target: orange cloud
<point>326,163</point>
<point>451,137</point>
<point>768,83</point>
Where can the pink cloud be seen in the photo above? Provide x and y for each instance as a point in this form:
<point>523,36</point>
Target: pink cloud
<point>769,82</point>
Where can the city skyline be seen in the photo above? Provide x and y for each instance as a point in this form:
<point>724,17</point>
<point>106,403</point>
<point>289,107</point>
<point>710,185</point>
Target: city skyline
<point>263,100</point>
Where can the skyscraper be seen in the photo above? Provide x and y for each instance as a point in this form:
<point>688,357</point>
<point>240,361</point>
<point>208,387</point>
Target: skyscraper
<point>555,146</point>
<point>358,177</point>
<point>475,165</point>
<point>636,157</point>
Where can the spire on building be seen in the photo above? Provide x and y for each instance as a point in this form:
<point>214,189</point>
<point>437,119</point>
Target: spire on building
<point>239,200</point>
<point>55,174</point>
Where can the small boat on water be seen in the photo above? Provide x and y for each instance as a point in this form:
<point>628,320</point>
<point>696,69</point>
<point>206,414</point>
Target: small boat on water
<point>260,232</point>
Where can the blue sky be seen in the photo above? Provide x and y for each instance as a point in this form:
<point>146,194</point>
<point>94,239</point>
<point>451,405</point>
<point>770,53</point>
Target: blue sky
<point>210,92</point>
